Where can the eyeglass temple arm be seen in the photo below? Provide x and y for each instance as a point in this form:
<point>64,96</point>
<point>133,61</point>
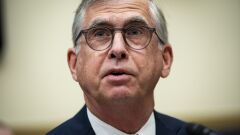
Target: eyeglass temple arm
<point>76,39</point>
<point>161,41</point>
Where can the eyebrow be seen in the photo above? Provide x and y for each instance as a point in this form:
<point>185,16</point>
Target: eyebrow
<point>100,22</point>
<point>136,19</point>
<point>106,22</point>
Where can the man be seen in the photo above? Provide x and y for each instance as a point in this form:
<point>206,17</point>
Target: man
<point>121,50</point>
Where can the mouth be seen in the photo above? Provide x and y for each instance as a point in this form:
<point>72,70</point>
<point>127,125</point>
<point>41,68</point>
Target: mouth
<point>117,72</point>
<point>118,76</point>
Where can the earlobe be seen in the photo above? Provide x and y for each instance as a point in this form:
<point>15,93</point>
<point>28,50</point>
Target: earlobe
<point>167,55</point>
<point>72,60</point>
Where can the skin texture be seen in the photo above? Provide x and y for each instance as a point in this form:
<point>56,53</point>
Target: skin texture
<point>124,102</point>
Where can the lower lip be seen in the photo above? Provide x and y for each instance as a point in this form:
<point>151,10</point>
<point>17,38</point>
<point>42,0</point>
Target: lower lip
<point>118,79</point>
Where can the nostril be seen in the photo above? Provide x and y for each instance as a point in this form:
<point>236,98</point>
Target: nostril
<point>123,55</point>
<point>113,56</point>
<point>118,55</point>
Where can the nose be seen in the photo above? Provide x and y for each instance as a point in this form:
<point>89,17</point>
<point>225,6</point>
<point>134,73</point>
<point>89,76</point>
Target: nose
<point>118,49</point>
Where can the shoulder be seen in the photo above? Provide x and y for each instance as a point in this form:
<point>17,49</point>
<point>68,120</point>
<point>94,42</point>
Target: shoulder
<point>169,125</point>
<point>78,124</point>
<point>62,129</point>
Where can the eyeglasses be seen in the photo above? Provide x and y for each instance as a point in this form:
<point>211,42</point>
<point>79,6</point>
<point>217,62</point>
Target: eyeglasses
<point>101,38</point>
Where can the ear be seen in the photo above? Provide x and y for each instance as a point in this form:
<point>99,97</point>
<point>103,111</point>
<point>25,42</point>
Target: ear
<point>167,55</point>
<point>72,62</point>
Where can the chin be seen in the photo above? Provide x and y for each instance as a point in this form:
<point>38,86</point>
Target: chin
<point>121,94</point>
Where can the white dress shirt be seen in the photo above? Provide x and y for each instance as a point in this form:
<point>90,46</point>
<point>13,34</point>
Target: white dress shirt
<point>102,128</point>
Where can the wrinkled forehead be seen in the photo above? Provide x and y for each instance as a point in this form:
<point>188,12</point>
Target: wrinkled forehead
<point>117,12</point>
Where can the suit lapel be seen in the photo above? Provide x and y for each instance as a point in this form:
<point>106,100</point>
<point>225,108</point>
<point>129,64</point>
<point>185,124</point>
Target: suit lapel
<point>166,125</point>
<point>161,129</point>
<point>81,124</point>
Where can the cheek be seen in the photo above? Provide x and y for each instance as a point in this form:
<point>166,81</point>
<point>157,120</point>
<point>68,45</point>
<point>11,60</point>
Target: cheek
<point>88,66</point>
<point>149,64</point>
<point>155,55</point>
<point>156,62</point>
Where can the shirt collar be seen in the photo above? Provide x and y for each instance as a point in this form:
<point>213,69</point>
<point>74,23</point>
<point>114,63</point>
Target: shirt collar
<point>102,128</point>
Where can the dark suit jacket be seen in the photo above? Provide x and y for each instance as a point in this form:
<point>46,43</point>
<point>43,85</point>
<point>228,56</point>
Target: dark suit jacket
<point>80,125</point>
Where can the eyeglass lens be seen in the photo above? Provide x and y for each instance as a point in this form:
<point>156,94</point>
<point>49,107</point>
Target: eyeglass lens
<point>101,38</point>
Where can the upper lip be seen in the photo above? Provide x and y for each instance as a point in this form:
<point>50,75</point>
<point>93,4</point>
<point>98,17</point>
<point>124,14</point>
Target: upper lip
<point>118,71</point>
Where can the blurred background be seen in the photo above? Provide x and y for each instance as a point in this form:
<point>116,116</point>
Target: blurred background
<point>37,92</point>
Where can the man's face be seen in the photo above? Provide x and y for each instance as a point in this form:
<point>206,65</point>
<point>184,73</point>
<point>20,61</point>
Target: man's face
<point>119,73</point>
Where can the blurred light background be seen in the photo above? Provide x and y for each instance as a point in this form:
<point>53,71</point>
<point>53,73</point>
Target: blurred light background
<point>37,92</point>
<point>1,30</point>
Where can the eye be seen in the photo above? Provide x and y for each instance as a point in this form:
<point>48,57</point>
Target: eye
<point>100,33</point>
<point>134,31</point>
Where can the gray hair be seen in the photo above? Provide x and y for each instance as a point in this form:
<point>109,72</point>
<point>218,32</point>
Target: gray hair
<point>155,11</point>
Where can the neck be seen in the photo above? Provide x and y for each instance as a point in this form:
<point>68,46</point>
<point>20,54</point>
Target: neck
<point>127,117</point>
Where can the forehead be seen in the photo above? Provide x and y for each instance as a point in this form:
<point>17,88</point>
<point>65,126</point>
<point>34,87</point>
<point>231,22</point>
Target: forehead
<point>117,12</point>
